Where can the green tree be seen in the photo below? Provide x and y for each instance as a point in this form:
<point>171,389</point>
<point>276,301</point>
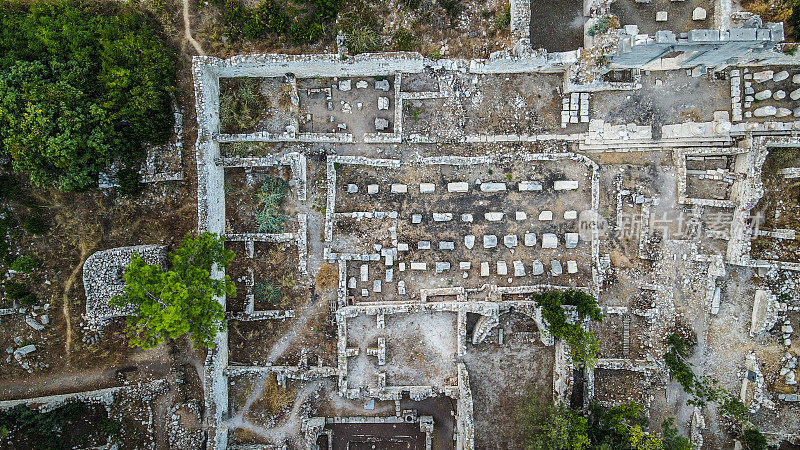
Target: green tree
<point>181,300</point>
<point>551,426</point>
<point>583,344</point>
<point>81,85</point>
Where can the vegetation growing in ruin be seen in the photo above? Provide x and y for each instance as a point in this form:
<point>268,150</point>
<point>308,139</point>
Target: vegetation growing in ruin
<point>267,292</point>
<point>361,27</point>
<point>81,85</point>
<point>270,218</point>
<point>603,24</point>
<point>74,425</point>
<point>583,344</point>
<point>551,425</point>
<point>241,107</point>
<point>25,264</point>
<point>17,291</point>
<point>556,426</point>
<point>704,389</point>
<point>181,300</point>
<point>299,21</point>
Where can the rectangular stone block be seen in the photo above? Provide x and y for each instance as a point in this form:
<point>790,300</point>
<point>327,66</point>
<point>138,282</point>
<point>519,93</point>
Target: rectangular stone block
<point>502,268</point>
<point>460,186</point>
<point>493,187</point>
<point>427,188</point>
<point>399,188</point>
<point>565,185</point>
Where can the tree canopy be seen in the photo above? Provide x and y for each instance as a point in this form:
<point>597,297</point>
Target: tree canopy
<point>181,300</point>
<point>583,344</point>
<point>81,85</point>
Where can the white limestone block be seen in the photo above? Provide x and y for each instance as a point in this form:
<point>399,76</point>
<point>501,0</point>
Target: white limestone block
<point>424,245</point>
<point>466,217</point>
<point>459,186</point>
<point>344,85</point>
<point>489,241</point>
<point>570,214</point>
<point>765,111</point>
<point>442,217</point>
<point>469,241</point>
<point>372,189</point>
<point>521,215</point>
<point>416,218</point>
<point>779,95</point>
<point>763,95</point>
<point>661,16</point>
<point>493,216</point>
<point>546,216</point>
<point>464,265</point>
<point>555,268</point>
<point>442,266</point>
<point>364,272</point>
<point>795,95</point>
<point>764,75</point>
<point>699,14</point>
<point>427,188</point>
<point>549,240</point>
<point>484,269</point>
<point>399,188</point>
<point>530,239</point>
<point>447,245</point>
<point>361,84</point>
<point>780,76</point>
<point>783,112</point>
<point>418,266</point>
<point>565,185</point>
<point>383,103</point>
<point>376,286</point>
<point>571,240</point>
<point>352,188</point>
<point>572,267</point>
<point>493,187</point>
<point>502,268</point>
<point>529,186</point>
<point>538,267</point>
<point>402,247</point>
<point>510,240</point>
<point>519,269</point>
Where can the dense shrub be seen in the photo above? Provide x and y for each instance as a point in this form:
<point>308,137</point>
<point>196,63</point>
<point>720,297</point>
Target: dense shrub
<point>73,425</point>
<point>25,264</point>
<point>270,218</point>
<point>129,183</point>
<point>9,187</point>
<point>81,85</point>
<point>35,224</point>
<point>503,20</point>
<point>361,27</point>
<point>583,344</point>
<point>405,41</point>
<point>754,440</point>
<point>300,21</point>
<point>20,292</point>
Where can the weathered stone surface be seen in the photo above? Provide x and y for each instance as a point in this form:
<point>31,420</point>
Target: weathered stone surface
<point>458,186</point>
<point>699,14</point>
<point>555,268</point>
<point>549,240</point>
<point>530,239</point>
<point>538,267</point>
<point>571,240</point>
<point>565,185</point>
<point>489,241</point>
<point>469,241</point>
<point>763,95</point>
<point>510,240</point>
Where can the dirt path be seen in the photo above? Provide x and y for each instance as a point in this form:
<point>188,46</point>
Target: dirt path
<point>187,28</point>
<point>65,299</point>
<point>61,384</point>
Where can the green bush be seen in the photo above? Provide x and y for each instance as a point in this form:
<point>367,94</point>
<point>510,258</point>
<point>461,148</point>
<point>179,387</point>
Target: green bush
<point>405,41</point>
<point>241,108</point>
<point>81,85</point>
<point>754,440</point>
<point>453,8</point>
<point>301,21</point>
<point>129,183</point>
<point>35,224</point>
<point>25,264</point>
<point>362,28</point>
<point>601,26</point>
<point>267,292</point>
<point>20,292</point>
<point>9,187</point>
<point>411,4</point>
<point>503,20</point>
<point>269,218</point>
<point>583,344</point>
